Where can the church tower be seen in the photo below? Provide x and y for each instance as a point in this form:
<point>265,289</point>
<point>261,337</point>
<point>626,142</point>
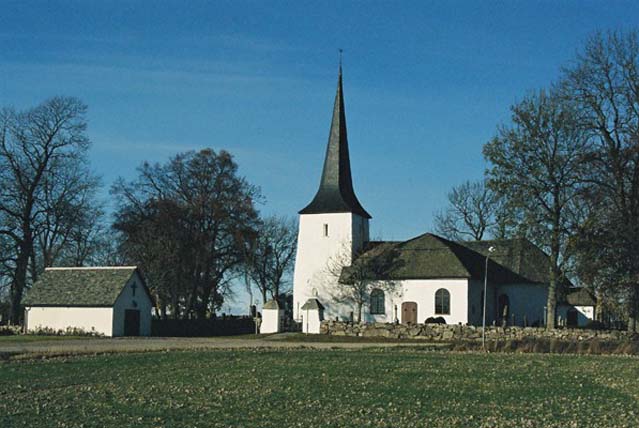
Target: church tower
<point>333,226</point>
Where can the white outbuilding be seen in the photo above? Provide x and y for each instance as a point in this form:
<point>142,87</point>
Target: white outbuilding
<point>113,301</point>
<point>312,316</point>
<point>272,317</point>
<point>577,308</point>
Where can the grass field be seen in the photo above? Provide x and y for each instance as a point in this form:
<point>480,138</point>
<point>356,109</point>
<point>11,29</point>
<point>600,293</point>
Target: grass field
<point>319,388</point>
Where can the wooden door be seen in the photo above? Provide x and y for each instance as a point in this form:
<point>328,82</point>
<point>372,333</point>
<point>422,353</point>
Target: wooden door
<point>131,322</point>
<point>409,313</point>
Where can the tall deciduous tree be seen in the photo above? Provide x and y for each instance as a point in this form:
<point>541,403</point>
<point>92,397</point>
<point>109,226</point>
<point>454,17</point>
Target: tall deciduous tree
<point>186,223</point>
<point>603,84</point>
<point>39,149</point>
<point>270,255</point>
<point>537,167</point>
<point>473,211</point>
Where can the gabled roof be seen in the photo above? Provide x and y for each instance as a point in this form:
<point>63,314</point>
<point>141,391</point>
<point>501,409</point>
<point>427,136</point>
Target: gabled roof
<point>429,256</point>
<point>579,297</point>
<point>98,286</point>
<point>271,304</point>
<point>336,194</point>
<point>312,304</point>
<point>518,255</point>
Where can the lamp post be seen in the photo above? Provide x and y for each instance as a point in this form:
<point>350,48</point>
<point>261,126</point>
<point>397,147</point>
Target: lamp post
<point>491,249</point>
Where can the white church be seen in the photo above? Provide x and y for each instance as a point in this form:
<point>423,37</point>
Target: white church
<point>434,277</point>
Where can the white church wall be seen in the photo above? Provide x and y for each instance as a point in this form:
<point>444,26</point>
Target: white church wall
<point>475,301</point>
<point>423,292</point>
<point>323,237</point>
<point>392,305</point>
<point>60,318</point>
<point>136,300</point>
<point>527,300</point>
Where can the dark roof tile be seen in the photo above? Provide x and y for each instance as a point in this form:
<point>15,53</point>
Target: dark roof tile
<point>79,286</point>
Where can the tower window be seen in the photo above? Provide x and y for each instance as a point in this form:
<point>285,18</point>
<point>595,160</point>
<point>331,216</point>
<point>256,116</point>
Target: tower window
<point>325,229</point>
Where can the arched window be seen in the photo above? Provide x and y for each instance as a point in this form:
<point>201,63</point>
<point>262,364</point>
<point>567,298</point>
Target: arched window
<point>442,302</point>
<point>377,305</point>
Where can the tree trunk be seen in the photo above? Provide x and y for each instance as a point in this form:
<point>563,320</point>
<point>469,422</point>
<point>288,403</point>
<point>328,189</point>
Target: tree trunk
<point>359,313</point>
<point>551,304</point>
<point>599,308</point>
<point>19,281</point>
<point>632,309</point>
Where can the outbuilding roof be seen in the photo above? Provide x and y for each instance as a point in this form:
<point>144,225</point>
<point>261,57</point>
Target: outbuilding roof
<point>579,297</point>
<point>312,304</point>
<point>94,286</point>
<point>271,304</point>
<point>429,256</point>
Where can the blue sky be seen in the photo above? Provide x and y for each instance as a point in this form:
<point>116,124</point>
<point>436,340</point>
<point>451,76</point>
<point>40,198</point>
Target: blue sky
<point>426,85</point>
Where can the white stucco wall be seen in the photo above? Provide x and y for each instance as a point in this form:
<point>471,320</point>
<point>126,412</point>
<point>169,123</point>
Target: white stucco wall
<point>311,321</point>
<point>346,234</point>
<point>127,300</point>
<point>525,299</point>
<point>271,321</point>
<point>585,314</point>
<point>59,318</point>
<point>422,292</point>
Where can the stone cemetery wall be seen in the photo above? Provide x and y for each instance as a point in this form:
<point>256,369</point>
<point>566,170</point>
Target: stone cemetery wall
<point>447,333</point>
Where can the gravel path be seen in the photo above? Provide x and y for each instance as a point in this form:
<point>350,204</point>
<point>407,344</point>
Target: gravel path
<point>93,346</point>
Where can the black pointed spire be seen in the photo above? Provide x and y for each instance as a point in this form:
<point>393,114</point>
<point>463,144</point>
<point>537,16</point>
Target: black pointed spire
<point>336,194</point>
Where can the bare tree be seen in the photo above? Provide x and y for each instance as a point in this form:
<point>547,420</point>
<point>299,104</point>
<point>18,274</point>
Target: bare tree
<point>537,166</point>
<point>473,210</point>
<point>353,279</point>
<point>186,223</point>
<point>270,255</point>
<point>603,84</point>
<point>36,147</point>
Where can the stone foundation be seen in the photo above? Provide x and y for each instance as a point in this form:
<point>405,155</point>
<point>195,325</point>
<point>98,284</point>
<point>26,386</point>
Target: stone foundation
<point>448,333</point>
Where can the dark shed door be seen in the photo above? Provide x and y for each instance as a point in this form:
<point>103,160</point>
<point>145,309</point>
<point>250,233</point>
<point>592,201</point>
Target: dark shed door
<point>572,317</point>
<point>131,322</point>
<point>409,313</point>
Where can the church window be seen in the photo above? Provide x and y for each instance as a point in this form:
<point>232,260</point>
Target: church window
<point>325,229</point>
<point>442,302</point>
<point>377,304</point>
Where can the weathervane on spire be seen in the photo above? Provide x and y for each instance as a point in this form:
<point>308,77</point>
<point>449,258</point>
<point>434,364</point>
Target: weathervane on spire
<point>341,51</point>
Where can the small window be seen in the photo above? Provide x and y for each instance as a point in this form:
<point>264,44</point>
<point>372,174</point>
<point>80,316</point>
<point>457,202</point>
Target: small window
<point>377,305</point>
<point>325,229</point>
<point>442,302</point>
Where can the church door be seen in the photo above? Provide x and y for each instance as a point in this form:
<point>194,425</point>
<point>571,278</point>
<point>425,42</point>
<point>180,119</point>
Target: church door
<point>409,313</point>
<point>131,322</point>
